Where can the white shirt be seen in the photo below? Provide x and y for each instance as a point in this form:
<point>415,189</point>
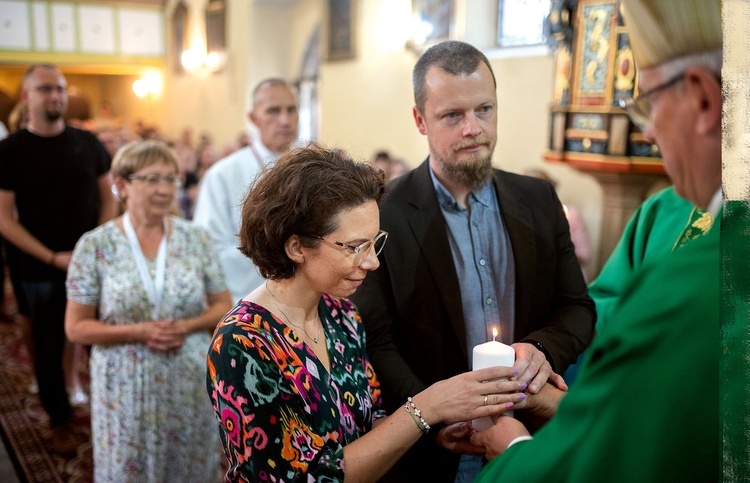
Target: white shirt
<point>219,207</point>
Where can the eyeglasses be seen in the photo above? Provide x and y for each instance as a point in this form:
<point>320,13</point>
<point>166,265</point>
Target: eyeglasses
<point>48,89</point>
<point>362,249</point>
<point>155,180</point>
<point>639,108</point>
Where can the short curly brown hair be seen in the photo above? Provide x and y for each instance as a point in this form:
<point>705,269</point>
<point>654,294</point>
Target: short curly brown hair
<point>302,193</point>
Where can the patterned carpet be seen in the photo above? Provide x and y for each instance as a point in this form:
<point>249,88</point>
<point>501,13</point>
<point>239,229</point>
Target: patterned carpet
<point>24,424</point>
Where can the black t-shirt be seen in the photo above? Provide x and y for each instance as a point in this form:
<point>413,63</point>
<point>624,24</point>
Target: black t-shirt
<point>55,183</point>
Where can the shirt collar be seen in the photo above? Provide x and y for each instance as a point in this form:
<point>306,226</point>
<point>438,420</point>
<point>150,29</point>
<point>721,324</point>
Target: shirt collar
<point>260,150</point>
<point>715,205</point>
<point>484,194</point>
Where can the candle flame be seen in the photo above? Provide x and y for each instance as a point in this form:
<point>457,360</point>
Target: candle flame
<point>494,333</point>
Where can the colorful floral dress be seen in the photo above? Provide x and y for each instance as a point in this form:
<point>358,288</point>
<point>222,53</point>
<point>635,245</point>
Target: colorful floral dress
<point>282,416</point>
<point>150,419</point>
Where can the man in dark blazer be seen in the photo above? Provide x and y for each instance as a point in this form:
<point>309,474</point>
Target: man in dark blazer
<point>469,247</point>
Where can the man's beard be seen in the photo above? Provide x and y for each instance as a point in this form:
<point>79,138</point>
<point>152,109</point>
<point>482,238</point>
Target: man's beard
<point>53,116</point>
<point>471,175</point>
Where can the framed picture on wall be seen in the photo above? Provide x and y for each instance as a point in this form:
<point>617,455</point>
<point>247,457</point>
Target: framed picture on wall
<point>340,31</point>
<point>432,22</point>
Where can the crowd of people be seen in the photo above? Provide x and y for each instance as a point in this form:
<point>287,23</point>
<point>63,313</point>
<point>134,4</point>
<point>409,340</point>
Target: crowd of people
<point>330,307</point>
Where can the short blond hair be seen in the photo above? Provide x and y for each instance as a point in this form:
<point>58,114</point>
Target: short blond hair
<point>135,155</point>
<point>663,30</point>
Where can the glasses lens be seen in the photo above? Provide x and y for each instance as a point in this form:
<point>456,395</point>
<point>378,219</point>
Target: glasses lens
<point>379,242</point>
<point>639,110</point>
<point>48,89</point>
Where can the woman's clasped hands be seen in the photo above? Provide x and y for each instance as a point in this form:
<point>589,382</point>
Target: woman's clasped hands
<point>163,335</point>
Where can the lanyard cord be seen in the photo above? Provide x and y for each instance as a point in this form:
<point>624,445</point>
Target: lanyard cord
<point>154,287</point>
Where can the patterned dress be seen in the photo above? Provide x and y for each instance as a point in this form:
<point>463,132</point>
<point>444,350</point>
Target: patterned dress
<point>282,416</point>
<point>150,419</point>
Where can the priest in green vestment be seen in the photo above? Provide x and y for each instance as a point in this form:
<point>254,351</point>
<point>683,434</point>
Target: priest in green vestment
<point>652,232</point>
<point>645,406</point>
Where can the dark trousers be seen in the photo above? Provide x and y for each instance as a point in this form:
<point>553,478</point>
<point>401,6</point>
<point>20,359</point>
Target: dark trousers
<point>47,305</point>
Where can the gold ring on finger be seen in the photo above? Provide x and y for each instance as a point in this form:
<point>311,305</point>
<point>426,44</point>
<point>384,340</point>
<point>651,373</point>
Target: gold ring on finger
<point>485,400</point>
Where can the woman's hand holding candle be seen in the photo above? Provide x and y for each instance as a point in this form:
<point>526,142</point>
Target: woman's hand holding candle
<point>470,395</point>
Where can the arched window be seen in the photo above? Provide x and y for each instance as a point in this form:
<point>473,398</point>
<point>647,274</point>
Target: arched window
<point>521,22</point>
<point>308,89</point>
<point>216,43</point>
<point>179,35</point>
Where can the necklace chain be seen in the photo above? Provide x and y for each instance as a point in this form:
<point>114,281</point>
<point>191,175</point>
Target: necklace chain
<point>314,339</point>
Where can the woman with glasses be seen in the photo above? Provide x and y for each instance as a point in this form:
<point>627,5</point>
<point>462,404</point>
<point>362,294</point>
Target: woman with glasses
<point>294,393</point>
<point>145,290</point>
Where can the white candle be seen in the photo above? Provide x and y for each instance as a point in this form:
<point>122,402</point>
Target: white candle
<point>491,354</point>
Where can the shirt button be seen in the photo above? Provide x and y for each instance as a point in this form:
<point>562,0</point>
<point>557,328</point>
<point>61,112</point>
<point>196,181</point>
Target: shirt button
<point>482,262</point>
<point>475,223</point>
<point>489,301</point>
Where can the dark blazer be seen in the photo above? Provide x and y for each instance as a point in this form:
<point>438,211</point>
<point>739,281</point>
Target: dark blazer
<point>411,305</point>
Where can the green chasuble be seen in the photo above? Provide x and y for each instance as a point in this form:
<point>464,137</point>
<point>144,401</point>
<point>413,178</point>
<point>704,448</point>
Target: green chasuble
<point>651,233</point>
<point>645,406</point>
<point>735,340</point>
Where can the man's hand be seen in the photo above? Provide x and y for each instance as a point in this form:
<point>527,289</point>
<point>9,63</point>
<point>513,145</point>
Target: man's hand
<point>532,366</point>
<point>538,408</point>
<point>495,440</point>
<point>457,439</point>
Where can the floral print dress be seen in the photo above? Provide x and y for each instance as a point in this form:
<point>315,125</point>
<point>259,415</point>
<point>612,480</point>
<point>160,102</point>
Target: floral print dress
<point>282,416</point>
<point>150,419</point>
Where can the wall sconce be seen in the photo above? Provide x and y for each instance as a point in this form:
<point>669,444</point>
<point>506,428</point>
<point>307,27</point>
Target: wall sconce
<point>149,85</point>
<point>196,60</point>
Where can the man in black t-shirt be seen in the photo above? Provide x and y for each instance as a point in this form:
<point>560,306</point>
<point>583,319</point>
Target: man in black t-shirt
<point>57,178</point>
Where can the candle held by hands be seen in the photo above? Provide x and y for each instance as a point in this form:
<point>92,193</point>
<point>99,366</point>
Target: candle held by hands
<point>491,354</point>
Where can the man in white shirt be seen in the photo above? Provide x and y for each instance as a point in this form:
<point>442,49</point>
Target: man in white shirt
<point>225,184</point>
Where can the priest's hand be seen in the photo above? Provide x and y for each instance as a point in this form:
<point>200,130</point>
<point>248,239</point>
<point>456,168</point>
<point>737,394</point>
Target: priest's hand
<point>457,439</point>
<point>539,408</point>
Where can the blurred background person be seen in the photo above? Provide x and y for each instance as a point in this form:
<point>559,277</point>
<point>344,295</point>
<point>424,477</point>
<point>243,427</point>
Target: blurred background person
<point>187,195</point>
<point>287,365</point>
<point>18,119</point>
<point>145,290</point>
<point>54,186</point>
<point>110,139</point>
<point>578,234</point>
<point>206,156</point>
<point>392,167</point>
<point>274,112</point>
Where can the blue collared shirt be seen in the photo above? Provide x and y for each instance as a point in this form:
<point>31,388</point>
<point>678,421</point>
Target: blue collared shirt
<point>483,258</point>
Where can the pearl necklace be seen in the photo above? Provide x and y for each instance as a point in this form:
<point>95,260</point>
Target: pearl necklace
<point>314,339</point>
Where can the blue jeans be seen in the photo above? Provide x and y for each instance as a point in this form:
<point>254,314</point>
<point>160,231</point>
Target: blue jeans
<point>468,468</point>
<point>47,301</point>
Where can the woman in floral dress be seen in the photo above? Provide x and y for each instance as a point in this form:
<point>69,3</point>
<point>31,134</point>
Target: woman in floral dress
<point>145,290</point>
<point>291,385</point>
